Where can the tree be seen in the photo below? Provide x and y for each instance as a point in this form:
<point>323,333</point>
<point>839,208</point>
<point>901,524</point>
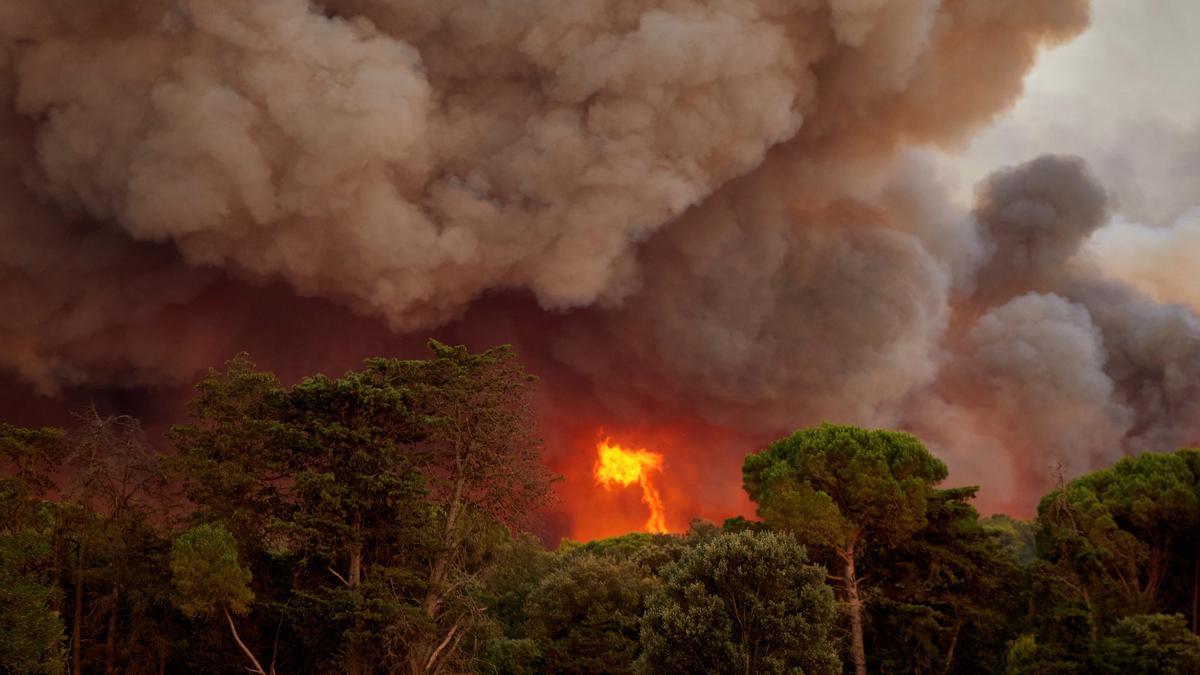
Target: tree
<point>114,486</point>
<point>1019,537</point>
<point>585,615</point>
<point>1110,536</point>
<point>481,458</point>
<point>1189,547</point>
<point>367,505</point>
<point>233,454</point>
<point>324,503</point>
<point>31,632</point>
<point>840,490</point>
<point>31,628</point>
<point>210,581</point>
<point>518,567</point>
<point>947,599</point>
<point>359,514</point>
<point>1150,644</point>
<point>741,603</point>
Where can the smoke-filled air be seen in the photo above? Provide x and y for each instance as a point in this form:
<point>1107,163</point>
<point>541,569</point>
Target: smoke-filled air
<point>702,224</point>
<point>621,337</point>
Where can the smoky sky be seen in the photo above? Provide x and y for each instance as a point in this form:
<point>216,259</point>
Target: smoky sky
<point>704,221</point>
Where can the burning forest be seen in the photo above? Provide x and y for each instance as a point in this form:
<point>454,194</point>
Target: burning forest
<point>728,245</point>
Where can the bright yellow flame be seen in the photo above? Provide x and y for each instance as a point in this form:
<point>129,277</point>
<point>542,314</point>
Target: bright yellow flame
<point>617,466</point>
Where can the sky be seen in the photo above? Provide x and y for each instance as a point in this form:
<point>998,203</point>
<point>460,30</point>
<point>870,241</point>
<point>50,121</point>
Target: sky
<point>1136,66</point>
<point>1125,96</point>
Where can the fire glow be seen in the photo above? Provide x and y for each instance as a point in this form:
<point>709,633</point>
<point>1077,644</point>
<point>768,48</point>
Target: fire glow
<point>618,466</point>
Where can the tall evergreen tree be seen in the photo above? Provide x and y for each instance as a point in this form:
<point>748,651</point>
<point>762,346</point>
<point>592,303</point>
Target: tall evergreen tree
<point>842,490</point>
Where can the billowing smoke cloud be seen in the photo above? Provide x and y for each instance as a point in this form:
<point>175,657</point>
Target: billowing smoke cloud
<point>1036,217</point>
<point>1067,369</point>
<point>762,310</point>
<point>704,221</point>
<point>1035,366</point>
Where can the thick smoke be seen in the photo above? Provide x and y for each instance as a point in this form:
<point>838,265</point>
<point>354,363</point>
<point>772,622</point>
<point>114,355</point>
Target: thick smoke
<point>704,222</point>
<point>1036,217</point>
<point>1033,368</point>
<point>1065,367</point>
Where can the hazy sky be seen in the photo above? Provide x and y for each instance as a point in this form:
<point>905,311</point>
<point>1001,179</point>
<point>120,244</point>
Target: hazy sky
<point>1137,66</point>
<point>1126,97</point>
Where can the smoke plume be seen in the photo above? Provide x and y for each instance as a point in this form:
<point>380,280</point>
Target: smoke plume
<point>703,222</point>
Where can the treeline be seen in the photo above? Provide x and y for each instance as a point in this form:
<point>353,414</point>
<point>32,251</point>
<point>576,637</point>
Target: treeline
<point>378,522</point>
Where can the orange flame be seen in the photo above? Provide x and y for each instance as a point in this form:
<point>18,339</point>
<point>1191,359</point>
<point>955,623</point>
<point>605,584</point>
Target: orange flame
<point>617,466</point>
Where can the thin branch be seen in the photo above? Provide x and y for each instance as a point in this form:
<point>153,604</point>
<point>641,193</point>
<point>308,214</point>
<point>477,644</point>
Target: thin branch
<point>340,577</point>
<point>445,641</point>
<point>246,650</point>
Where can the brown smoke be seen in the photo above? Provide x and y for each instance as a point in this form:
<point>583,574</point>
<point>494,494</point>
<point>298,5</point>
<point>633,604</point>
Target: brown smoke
<point>705,222</point>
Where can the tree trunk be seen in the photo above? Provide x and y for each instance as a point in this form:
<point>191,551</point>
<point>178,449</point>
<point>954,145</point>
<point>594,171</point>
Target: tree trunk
<point>437,576</point>
<point>238,639</point>
<point>858,651</point>
<point>355,577</point>
<point>953,644</point>
<point>424,654</point>
<point>77,622</point>
<point>354,660</point>
<point>1196,588</point>
<point>110,640</point>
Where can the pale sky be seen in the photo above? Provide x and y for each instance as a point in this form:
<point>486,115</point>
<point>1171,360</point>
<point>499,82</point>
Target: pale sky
<point>1138,65</point>
<point>1125,96</point>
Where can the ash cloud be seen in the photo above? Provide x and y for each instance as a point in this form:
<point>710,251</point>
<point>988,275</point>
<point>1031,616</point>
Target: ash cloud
<point>718,213</point>
<point>1062,365</point>
<point>1035,217</point>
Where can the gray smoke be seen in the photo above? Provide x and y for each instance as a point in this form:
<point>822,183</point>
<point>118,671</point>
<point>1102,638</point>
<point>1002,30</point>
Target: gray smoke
<point>721,207</point>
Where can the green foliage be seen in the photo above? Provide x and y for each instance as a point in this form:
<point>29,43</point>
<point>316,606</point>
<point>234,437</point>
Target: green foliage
<point>846,493</point>
<point>1018,537</point>
<point>206,573</point>
<point>1150,644</point>
<point>1109,536</point>
<point>358,505</point>
<point>651,551</point>
<point>31,631</point>
<point>479,449</point>
<point>586,614</point>
<point>832,484</point>
<point>367,505</point>
<point>233,455</point>
<point>949,598</point>
<point>518,567</point>
<point>371,523</point>
<point>1118,553</point>
<point>578,609</point>
<point>741,603</point>
<point>30,455</point>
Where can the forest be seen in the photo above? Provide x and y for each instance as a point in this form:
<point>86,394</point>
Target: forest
<point>382,522</point>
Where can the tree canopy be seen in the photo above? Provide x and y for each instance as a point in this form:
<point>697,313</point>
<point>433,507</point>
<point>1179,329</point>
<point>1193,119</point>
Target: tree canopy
<point>842,490</point>
<point>741,603</point>
<point>383,521</point>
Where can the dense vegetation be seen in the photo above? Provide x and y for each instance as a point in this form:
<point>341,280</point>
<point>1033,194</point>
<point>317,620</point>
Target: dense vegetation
<point>377,522</point>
